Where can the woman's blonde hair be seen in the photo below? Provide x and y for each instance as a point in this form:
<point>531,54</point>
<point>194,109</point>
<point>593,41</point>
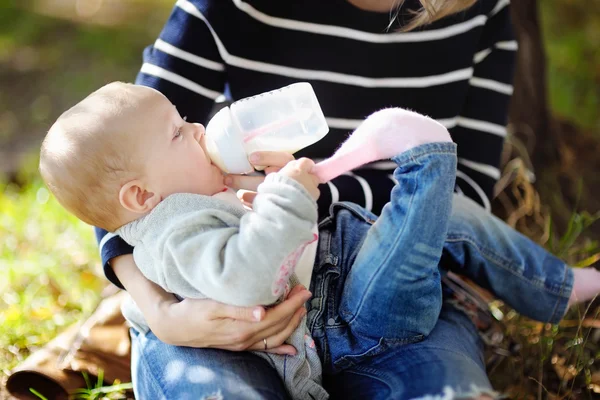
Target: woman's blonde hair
<point>430,11</point>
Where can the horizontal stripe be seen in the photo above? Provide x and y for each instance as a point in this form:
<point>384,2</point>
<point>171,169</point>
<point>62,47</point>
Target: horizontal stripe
<point>184,55</point>
<point>328,76</point>
<point>449,123</point>
<point>469,181</point>
<point>482,126</point>
<point>485,169</point>
<point>381,165</point>
<point>353,34</point>
<point>499,6</point>
<point>492,85</point>
<point>480,56</point>
<point>510,45</point>
<point>345,79</point>
<point>351,124</point>
<point>105,240</point>
<point>162,73</point>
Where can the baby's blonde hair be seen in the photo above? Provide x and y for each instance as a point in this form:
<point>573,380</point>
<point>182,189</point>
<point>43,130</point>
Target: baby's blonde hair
<point>431,11</point>
<point>86,155</point>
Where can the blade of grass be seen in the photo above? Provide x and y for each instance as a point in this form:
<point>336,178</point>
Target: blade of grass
<point>37,394</point>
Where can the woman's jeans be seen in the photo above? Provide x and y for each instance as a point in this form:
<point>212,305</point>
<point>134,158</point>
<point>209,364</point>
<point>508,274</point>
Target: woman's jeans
<point>351,314</point>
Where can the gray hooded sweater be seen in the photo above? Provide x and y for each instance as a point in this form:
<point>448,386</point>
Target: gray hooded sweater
<point>204,247</point>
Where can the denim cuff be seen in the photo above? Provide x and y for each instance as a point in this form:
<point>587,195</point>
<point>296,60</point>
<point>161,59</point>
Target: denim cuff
<point>424,150</point>
<point>562,303</point>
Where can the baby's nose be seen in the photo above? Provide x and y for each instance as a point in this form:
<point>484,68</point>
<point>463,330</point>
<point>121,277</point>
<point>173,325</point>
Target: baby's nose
<point>198,131</point>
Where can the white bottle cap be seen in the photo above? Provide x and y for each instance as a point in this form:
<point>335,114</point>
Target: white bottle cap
<point>224,144</point>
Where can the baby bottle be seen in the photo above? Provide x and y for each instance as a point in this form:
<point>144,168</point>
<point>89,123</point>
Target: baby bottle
<point>286,119</point>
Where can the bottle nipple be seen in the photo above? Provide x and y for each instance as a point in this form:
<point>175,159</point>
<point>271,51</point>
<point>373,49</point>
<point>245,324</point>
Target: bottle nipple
<point>224,144</point>
<point>213,153</point>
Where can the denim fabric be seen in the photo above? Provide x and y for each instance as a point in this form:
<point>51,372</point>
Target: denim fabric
<point>448,364</point>
<point>376,284</point>
<point>164,372</point>
<point>374,295</point>
<point>449,359</point>
<point>500,259</point>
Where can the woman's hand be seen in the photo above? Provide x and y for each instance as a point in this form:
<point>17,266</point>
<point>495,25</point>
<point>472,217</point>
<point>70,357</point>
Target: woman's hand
<point>271,161</point>
<point>221,326</point>
<point>207,323</point>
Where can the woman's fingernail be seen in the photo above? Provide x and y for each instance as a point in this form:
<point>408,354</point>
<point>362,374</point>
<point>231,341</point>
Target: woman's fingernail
<point>228,181</point>
<point>254,158</point>
<point>257,314</point>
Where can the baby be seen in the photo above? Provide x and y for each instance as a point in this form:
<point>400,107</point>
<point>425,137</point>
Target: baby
<point>123,159</point>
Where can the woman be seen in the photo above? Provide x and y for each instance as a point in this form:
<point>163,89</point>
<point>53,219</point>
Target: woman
<point>449,59</point>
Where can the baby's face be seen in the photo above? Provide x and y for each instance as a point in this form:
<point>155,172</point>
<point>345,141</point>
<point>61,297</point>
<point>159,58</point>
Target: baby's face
<point>174,152</point>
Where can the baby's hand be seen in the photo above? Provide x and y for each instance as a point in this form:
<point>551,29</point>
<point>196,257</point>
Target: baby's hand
<point>299,170</point>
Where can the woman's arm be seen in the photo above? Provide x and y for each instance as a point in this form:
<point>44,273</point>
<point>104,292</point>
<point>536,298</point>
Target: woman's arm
<point>207,323</point>
<point>111,246</point>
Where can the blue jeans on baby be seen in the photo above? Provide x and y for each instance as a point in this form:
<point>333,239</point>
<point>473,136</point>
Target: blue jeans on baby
<point>377,341</point>
<point>376,282</point>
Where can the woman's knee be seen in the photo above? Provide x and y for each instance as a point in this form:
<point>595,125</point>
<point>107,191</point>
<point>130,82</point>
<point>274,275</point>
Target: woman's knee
<point>164,371</point>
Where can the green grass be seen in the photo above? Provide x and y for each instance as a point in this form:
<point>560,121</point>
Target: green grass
<point>97,390</point>
<point>47,264</point>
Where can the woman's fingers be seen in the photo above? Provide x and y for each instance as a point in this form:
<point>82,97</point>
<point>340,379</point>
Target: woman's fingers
<point>294,301</point>
<point>284,349</point>
<point>239,332</point>
<point>244,182</point>
<point>270,161</point>
<point>248,314</point>
<point>270,158</point>
<point>275,342</point>
<point>282,319</point>
<point>247,197</point>
<point>270,170</point>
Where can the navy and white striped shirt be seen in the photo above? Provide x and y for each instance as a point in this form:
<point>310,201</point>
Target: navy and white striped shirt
<point>457,70</point>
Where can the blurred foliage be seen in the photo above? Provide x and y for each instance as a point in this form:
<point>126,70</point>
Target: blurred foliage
<point>537,360</point>
<point>571,30</point>
<point>51,57</point>
<point>48,270</point>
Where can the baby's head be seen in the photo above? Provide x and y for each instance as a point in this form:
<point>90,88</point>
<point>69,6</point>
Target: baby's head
<point>114,156</point>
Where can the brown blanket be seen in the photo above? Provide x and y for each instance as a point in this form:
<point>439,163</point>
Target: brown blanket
<point>100,343</point>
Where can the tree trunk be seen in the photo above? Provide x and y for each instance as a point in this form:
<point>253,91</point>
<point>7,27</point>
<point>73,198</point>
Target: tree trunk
<point>563,157</point>
<point>529,115</point>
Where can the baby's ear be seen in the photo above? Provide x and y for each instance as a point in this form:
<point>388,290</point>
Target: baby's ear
<point>134,197</point>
